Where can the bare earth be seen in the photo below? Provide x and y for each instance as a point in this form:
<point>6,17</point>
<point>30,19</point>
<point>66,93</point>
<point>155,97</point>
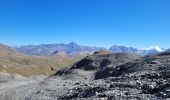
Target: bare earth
<point>39,87</point>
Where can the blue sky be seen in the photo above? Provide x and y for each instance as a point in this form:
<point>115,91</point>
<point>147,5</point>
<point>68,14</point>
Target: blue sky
<point>137,23</point>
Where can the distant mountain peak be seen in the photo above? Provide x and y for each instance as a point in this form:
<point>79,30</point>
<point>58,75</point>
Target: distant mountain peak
<point>117,48</point>
<point>73,48</point>
<point>73,43</point>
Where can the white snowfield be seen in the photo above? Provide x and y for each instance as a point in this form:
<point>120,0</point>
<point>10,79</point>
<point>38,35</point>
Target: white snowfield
<point>157,48</point>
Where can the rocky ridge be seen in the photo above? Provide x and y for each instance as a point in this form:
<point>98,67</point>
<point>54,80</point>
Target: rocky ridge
<point>103,76</point>
<point>146,78</point>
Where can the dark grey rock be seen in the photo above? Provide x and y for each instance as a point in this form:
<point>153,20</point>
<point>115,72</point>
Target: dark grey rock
<point>142,79</point>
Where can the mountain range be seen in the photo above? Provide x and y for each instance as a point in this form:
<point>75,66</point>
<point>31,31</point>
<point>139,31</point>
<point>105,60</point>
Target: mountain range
<point>52,49</point>
<point>102,75</point>
<point>74,49</point>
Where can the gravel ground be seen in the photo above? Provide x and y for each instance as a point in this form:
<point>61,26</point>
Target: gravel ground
<point>39,88</point>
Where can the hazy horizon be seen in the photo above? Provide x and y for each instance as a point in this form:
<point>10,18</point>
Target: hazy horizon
<point>143,48</point>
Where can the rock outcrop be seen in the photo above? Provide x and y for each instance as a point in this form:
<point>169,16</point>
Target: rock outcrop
<point>100,61</point>
<point>145,78</point>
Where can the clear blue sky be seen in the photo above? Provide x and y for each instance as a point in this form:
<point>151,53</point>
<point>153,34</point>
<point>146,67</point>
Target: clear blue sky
<point>137,23</point>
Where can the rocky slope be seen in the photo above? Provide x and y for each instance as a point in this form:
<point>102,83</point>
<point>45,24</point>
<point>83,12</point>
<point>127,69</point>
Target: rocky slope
<point>103,76</point>
<point>99,61</point>
<point>13,62</point>
<point>146,78</point>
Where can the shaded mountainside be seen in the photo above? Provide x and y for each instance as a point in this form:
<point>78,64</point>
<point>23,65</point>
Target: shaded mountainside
<point>116,49</point>
<point>100,61</point>
<point>140,79</point>
<point>168,50</point>
<point>14,62</point>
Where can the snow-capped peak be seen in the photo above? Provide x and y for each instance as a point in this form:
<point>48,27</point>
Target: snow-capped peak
<point>157,48</point>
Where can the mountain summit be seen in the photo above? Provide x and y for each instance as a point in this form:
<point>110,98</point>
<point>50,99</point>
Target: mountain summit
<point>50,49</point>
<point>118,49</point>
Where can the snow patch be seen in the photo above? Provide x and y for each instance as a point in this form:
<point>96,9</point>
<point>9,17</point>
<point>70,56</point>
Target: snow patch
<point>157,48</point>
